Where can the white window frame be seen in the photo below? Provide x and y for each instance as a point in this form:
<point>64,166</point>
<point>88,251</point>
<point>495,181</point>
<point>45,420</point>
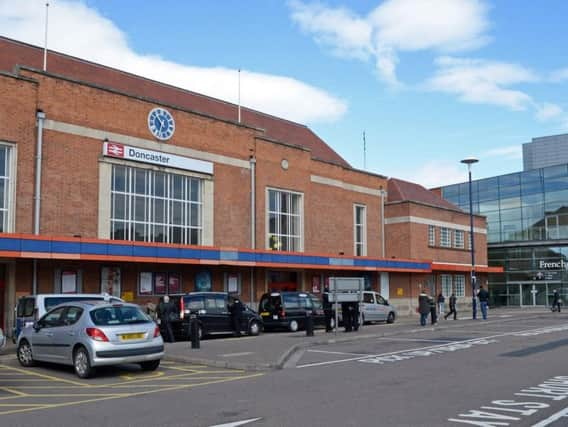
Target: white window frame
<point>447,284</point>
<point>458,239</point>
<point>279,212</point>
<point>8,205</point>
<point>431,235</point>
<point>360,248</point>
<point>445,237</point>
<point>459,285</point>
<point>168,199</point>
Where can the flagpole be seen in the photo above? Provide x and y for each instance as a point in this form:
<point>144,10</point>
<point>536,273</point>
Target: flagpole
<point>45,37</point>
<point>364,151</point>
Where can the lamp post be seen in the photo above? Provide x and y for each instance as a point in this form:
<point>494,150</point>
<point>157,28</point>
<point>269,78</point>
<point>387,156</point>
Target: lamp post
<point>469,161</point>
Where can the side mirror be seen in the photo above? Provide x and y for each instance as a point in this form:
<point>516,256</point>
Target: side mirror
<point>37,326</point>
<point>387,302</point>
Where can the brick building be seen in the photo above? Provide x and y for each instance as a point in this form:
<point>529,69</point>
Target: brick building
<point>115,183</point>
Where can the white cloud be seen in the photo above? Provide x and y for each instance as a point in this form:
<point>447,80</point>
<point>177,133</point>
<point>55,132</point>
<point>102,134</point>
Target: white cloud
<point>512,152</point>
<point>548,111</point>
<point>482,82</point>
<point>98,39</point>
<point>395,26</point>
<point>559,75</point>
<point>435,173</point>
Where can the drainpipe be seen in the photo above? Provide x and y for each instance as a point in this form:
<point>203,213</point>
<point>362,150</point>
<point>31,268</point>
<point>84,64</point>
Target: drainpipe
<point>40,115</point>
<point>252,219</point>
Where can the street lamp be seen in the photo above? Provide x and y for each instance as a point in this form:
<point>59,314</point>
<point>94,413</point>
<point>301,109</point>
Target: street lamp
<point>470,161</point>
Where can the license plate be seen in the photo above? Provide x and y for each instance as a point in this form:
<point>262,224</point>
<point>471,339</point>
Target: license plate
<point>128,337</point>
<point>265,313</point>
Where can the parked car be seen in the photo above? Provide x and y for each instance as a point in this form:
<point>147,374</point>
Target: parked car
<point>88,334</point>
<point>2,339</point>
<point>213,315</point>
<point>288,310</point>
<point>31,308</point>
<point>373,308</point>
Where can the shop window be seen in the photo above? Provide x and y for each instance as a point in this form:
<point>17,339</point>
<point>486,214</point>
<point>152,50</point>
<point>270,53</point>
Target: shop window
<point>446,284</point>
<point>159,283</point>
<point>445,237</point>
<point>68,281</point>
<point>153,206</point>
<point>431,235</point>
<point>6,185</point>
<point>459,281</point>
<point>284,221</point>
<point>232,283</point>
<point>111,281</point>
<point>360,229</point>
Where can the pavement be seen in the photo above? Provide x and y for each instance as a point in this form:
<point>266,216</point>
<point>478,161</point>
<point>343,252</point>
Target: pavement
<point>278,350</point>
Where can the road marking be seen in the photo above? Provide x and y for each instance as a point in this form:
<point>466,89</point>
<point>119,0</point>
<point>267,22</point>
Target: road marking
<point>244,353</point>
<point>414,339</point>
<point>48,377</point>
<point>332,362</point>
<point>238,423</point>
<point>554,417</point>
<point>338,352</point>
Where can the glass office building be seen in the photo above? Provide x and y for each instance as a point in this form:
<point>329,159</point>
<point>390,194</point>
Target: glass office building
<point>527,232</point>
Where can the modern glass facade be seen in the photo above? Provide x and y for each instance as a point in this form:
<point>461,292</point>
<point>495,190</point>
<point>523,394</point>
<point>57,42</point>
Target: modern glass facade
<point>527,232</point>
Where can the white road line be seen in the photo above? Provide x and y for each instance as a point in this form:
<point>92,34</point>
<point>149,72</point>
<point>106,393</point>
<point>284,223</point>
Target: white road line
<point>237,423</point>
<point>244,353</point>
<point>332,362</point>
<point>415,339</point>
<point>338,352</point>
<point>554,417</point>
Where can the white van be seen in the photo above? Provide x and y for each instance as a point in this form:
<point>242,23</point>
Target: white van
<point>374,308</point>
<point>31,308</point>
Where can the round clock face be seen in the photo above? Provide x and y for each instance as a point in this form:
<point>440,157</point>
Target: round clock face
<point>161,123</point>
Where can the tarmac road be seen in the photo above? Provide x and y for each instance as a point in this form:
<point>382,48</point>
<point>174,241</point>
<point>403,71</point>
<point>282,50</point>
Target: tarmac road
<point>507,371</point>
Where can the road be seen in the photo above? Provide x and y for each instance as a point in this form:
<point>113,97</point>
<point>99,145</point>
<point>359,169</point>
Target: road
<point>507,371</point>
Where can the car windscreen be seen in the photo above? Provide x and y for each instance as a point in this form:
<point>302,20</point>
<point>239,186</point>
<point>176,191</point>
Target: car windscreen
<point>50,302</point>
<point>271,303</point>
<point>26,307</point>
<point>294,301</point>
<point>118,315</point>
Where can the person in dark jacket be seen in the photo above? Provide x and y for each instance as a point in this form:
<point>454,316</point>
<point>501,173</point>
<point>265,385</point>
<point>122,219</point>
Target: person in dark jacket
<point>327,310</point>
<point>453,300</point>
<point>483,296</point>
<point>236,310</point>
<point>355,315</point>
<point>423,306</point>
<point>441,300</point>
<point>556,301</point>
<point>433,311</point>
<point>165,311</point>
<point>346,316</point>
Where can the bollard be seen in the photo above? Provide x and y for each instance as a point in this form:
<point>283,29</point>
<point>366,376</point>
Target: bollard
<point>309,324</point>
<point>194,331</point>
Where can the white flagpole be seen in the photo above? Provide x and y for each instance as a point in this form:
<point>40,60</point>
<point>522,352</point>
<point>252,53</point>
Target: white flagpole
<point>364,151</point>
<point>45,38</point>
<point>239,97</point>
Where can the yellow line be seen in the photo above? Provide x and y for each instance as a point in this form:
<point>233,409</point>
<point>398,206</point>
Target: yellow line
<point>21,404</point>
<point>49,377</point>
<point>130,377</point>
<point>10,390</point>
<point>78,395</point>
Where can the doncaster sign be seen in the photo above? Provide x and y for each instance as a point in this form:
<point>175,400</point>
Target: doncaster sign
<point>126,152</point>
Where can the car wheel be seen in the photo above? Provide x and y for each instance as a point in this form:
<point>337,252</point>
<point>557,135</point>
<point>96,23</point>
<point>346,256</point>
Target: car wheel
<point>151,365</point>
<point>254,328</point>
<point>25,356</point>
<point>391,317</point>
<point>293,325</point>
<point>82,364</point>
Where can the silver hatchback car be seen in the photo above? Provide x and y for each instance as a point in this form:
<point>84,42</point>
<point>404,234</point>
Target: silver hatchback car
<point>88,334</point>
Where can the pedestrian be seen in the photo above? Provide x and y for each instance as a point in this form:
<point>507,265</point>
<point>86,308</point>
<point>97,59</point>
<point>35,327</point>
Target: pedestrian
<point>483,296</point>
<point>423,307</point>
<point>346,316</point>
<point>165,311</point>
<point>433,311</point>
<point>556,301</point>
<point>452,307</point>
<point>236,310</point>
<point>441,301</point>
<point>327,310</point>
<point>355,315</point>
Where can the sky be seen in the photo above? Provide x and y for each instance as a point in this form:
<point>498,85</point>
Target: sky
<point>428,82</point>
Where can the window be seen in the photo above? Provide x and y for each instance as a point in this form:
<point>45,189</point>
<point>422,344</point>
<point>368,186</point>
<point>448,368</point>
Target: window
<point>152,206</point>
<point>431,235</point>
<point>446,284</point>
<point>73,314</point>
<point>458,239</point>
<point>119,315</point>
<point>53,318</point>
<point>284,221</point>
<point>460,285</point>
<point>360,230</point>
<point>445,237</point>
<point>159,283</point>
<point>368,298</point>
<point>5,187</point>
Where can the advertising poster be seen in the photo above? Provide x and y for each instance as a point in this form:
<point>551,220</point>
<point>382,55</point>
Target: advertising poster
<point>68,282</point>
<point>110,281</point>
<point>174,283</point>
<point>160,283</point>
<point>316,285</point>
<point>145,283</point>
<point>233,284</point>
<point>203,281</point>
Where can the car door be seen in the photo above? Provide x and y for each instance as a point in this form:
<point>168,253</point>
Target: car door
<point>212,317</point>
<point>222,304</point>
<point>65,335</point>
<point>43,344</point>
<point>368,308</point>
<point>382,307</point>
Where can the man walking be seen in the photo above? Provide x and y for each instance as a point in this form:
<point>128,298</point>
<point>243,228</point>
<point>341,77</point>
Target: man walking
<point>483,296</point>
<point>441,302</point>
<point>236,310</point>
<point>165,310</point>
<point>556,301</point>
<point>452,307</point>
<point>433,311</point>
<point>423,307</point>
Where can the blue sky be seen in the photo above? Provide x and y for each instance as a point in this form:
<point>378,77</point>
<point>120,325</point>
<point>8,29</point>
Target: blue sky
<point>429,81</point>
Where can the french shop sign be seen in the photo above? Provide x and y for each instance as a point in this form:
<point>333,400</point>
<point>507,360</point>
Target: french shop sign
<point>552,265</point>
<point>126,152</point>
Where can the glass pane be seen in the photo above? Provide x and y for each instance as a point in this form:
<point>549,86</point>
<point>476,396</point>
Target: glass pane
<point>159,184</point>
<point>3,161</point>
<point>177,192</point>
<point>176,213</point>
<point>194,215</point>
<point>295,222</point>
<point>2,193</point>
<point>295,204</point>
<point>3,221</point>
<point>139,232</point>
<point>284,203</point>
<point>176,235</point>
<point>272,223</point>
<point>195,190</point>
<point>118,230</point>
<point>284,224</point>
<point>159,211</point>
<point>119,178</point>
<point>140,208</point>
<point>119,206</point>
<point>272,201</point>
<point>139,181</point>
<point>194,237</point>
<point>159,234</point>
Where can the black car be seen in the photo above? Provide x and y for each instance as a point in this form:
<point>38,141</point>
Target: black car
<point>288,310</point>
<point>213,315</point>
